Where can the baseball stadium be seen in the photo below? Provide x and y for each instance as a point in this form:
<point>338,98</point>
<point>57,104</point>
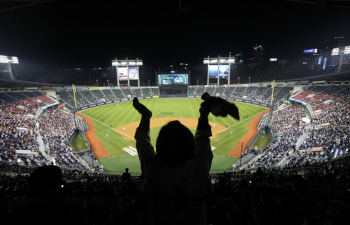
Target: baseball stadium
<point>205,128</point>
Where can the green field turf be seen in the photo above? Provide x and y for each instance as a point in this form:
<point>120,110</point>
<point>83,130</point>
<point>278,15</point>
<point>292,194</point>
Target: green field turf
<point>120,114</point>
<point>78,143</point>
<point>262,140</point>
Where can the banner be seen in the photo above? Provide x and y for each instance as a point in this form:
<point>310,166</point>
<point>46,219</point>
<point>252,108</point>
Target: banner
<point>123,73</point>
<point>301,102</point>
<point>133,73</point>
<point>49,105</point>
<point>28,152</point>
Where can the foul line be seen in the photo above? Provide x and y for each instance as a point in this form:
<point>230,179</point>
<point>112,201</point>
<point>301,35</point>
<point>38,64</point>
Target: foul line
<point>110,127</point>
<point>236,124</point>
<point>123,134</point>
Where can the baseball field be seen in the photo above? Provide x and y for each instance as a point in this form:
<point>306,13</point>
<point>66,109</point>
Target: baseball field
<point>112,129</point>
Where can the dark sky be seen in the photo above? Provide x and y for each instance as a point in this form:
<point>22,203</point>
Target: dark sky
<point>157,32</point>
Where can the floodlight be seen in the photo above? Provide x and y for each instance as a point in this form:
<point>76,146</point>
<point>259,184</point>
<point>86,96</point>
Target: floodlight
<point>206,61</point>
<point>222,60</point>
<point>114,63</point>
<point>139,63</point>
<point>347,50</point>
<point>213,61</point>
<point>132,63</point>
<point>123,63</point>
<point>3,59</point>
<point>231,60</point>
<point>14,59</point>
<point>335,51</point>
<point>8,59</point>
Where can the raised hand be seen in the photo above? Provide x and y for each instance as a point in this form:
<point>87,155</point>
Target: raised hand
<point>219,107</point>
<point>143,110</point>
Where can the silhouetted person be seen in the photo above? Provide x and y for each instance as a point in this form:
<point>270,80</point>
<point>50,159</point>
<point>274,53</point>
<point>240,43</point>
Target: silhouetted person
<point>126,176</point>
<point>179,169</point>
<point>45,205</point>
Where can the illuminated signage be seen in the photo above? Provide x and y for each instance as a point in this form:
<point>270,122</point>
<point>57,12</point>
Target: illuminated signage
<point>312,50</point>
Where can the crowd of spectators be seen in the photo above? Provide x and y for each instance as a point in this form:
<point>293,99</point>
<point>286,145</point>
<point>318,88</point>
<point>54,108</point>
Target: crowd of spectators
<point>289,118</point>
<point>55,126</point>
<point>272,154</point>
<point>316,193</point>
<point>17,133</point>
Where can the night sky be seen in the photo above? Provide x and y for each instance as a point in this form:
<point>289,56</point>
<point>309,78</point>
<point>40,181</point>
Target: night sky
<point>59,33</point>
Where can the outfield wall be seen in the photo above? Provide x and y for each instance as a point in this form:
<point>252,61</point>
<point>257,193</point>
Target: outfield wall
<point>168,96</point>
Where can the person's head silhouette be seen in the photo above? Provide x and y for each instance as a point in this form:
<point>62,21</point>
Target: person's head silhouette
<point>45,179</point>
<point>175,144</point>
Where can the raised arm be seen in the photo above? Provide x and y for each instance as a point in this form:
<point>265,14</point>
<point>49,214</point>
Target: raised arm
<point>143,141</point>
<point>202,142</point>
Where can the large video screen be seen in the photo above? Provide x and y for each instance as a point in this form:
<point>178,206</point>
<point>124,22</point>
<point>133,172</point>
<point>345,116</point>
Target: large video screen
<point>223,71</point>
<point>123,73</point>
<point>168,79</point>
<point>133,73</point>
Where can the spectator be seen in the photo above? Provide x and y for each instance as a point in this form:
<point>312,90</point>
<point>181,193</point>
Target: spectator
<point>179,169</point>
<point>126,176</point>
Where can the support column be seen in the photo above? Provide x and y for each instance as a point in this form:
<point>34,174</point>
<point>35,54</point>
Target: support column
<point>127,71</point>
<point>138,72</point>
<point>116,67</point>
<point>218,82</point>
<point>208,71</point>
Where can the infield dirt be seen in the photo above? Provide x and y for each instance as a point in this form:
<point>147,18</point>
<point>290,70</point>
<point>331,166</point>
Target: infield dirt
<point>129,130</point>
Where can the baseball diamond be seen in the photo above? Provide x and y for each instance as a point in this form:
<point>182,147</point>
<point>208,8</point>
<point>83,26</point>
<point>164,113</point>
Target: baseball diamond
<point>121,122</point>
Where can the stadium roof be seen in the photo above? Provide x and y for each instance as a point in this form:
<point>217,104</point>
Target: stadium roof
<point>322,4</point>
<point>6,5</point>
<point>341,76</point>
<point>7,83</point>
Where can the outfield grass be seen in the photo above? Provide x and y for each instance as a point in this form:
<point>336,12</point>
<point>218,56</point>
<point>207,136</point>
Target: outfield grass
<point>262,140</point>
<point>120,114</point>
<point>78,143</point>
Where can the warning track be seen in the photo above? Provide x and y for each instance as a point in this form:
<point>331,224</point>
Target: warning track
<point>248,137</point>
<point>96,145</point>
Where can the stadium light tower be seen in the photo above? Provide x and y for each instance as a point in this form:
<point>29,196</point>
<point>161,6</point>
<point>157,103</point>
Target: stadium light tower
<point>127,70</point>
<point>7,72</point>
